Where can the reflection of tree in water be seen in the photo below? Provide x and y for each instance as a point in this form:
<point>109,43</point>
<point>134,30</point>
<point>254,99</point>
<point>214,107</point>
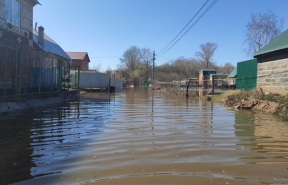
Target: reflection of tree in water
<point>22,138</point>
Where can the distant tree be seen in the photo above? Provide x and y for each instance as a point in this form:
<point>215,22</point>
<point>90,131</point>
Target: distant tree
<point>228,68</point>
<point>261,29</point>
<point>146,56</point>
<point>97,67</point>
<point>131,57</point>
<point>206,53</point>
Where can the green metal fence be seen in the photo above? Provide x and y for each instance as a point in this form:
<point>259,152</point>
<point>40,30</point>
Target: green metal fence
<point>24,72</point>
<point>247,75</point>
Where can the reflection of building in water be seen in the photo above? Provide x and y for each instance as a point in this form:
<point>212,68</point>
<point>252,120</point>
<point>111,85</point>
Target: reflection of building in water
<point>19,136</point>
<point>271,133</point>
<point>16,150</point>
<point>274,132</point>
<point>244,123</point>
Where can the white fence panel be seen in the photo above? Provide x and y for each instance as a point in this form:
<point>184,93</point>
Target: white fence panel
<point>93,80</point>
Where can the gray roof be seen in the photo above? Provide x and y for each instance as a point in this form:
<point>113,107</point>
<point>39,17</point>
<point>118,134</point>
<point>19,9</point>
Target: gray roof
<point>50,45</point>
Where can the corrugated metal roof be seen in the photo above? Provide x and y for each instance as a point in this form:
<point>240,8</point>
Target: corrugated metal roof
<point>50,45</point>
<point>208,69</point>
<point>37,2</point>
<point>279,43</point>
<point>233,73</point>
<point>78,55</point>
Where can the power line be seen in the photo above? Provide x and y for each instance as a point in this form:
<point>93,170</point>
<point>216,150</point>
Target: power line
<point>211,5</point>
<point>106,57</point>
<point>184,27</point>
<point>165,57</point>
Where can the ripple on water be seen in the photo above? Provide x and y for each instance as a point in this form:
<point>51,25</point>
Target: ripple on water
<point>141,137</point>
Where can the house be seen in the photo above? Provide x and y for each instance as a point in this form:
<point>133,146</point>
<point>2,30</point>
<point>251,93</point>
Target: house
<point>204,76</point>
<point>273,64</point>
<point>16,23</point>
<point>231,78</point>
<point>80,59</point>
<point>16,38</point>
<point>53,61</point>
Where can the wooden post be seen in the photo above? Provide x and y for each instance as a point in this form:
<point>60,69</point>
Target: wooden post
<point>187,85</point>
<point>212,84</point>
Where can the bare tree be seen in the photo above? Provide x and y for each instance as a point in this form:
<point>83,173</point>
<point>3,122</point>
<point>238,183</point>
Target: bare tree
<point>97,67</point>
<point>261,29</point>
<point>146,56</point>
<point>228,68</point>
<point>206,53</point>
<point>131,58</point>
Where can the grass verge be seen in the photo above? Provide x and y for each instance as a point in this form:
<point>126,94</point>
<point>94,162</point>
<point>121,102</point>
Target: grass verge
<point>236,98</point>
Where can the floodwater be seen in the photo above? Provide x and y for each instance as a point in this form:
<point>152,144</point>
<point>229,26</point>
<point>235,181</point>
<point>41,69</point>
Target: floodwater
<point>142,137</point>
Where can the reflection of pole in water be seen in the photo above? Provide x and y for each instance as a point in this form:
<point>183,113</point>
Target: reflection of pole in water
<point>152,110</point>
<point>200,92</point>
<point>211,114</point>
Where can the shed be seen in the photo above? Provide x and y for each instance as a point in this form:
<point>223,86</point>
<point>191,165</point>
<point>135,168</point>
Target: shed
<point>273,64</point>
<point>204,76</point>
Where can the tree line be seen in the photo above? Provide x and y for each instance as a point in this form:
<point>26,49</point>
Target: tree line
<point>136,62</point>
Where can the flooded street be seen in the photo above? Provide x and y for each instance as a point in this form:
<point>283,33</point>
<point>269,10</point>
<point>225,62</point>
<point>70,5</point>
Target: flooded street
<point>142,137</point>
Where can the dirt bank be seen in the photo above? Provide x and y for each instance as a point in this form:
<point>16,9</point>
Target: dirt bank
<point>258,100</point>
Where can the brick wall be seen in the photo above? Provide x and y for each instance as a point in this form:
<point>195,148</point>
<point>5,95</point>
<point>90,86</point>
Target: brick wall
<point>26,23</point>
<point>273,73</point>
<point>83,64</point>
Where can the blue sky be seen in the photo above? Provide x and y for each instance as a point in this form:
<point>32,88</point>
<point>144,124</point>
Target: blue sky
<point>106,28</point>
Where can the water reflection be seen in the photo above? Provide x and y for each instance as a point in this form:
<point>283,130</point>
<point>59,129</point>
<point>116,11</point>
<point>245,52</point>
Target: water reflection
<point>32,141</point>
<point>141,137</point>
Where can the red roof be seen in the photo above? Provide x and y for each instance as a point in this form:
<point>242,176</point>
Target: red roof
<point>78,56</point>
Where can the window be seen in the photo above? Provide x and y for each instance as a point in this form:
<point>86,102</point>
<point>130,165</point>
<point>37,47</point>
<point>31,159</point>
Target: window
<point>13,12</point>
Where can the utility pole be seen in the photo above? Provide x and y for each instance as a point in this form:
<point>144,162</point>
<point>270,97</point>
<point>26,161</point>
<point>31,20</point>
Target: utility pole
<point>153,70</point>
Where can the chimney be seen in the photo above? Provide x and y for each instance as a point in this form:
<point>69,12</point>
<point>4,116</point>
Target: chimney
<point>41,35</point>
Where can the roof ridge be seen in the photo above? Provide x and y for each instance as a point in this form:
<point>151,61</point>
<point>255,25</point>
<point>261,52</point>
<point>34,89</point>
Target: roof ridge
<point>278,43</point>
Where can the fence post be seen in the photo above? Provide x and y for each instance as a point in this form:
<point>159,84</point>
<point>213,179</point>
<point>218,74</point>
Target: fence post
<point>212,84</point>
<point>5,71</point>
<point>60,76</point>
<point>187,95</point>
<point>39,74</point>
<point>19,74</point>
<point>78,78</point>
<point>15,73</point>
<point>25,72</point>
<point>52,75</point>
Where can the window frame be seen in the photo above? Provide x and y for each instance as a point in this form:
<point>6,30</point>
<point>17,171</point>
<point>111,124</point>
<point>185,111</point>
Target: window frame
<point>12,12</point>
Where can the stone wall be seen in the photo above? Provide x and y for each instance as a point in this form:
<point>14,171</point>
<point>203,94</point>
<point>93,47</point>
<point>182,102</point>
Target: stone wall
<point>273,73</point>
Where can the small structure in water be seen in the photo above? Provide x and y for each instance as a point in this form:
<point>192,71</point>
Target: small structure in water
<point>204,76</point>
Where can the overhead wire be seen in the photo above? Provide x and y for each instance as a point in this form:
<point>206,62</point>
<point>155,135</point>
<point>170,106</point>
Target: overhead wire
<point>107,57</point>
<point>184,27</point>
<point>207,9</point>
